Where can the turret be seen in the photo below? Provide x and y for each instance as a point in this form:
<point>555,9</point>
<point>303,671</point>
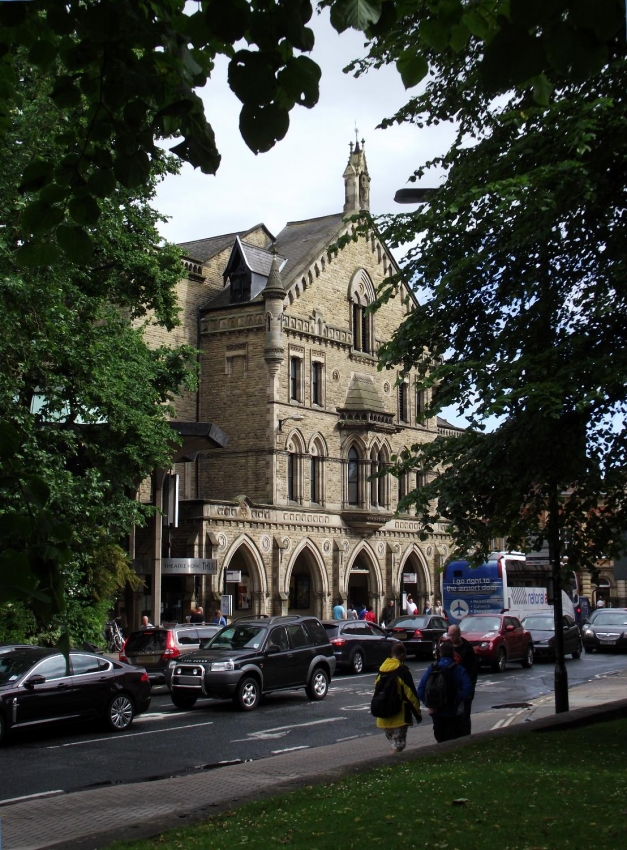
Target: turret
<point>274,296</point>
<point>356,181</point>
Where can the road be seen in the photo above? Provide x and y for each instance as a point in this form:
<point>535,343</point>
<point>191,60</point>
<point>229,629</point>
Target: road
<point>166,742</point>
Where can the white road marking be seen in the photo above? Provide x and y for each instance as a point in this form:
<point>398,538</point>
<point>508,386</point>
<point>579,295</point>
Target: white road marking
<point>30,797</point>
<point>364,707</point>
<point>128,735</point>
<point>350,738</point>
<point>282,731</point>
<point>288,750</point>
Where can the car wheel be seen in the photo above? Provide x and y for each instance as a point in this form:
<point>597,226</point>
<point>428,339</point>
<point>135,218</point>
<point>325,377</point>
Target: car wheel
<point>357,664</point>
<point>577,653</point>
<point>182,701</point>
<point>120,713</point>
<point>527,662</point>
<point>318,686</point>
<point>501,661</point>
<point>248,694</point>
<point>588,649</point>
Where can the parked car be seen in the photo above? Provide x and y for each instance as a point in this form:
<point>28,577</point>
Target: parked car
<point>252,657</point>
<point>498,639</point>
<point>542,630</point>
<point>156,647</point>
<point>420,633</point>
<point>37,686</point>
<point>607,629</point>
<point>358,644</point>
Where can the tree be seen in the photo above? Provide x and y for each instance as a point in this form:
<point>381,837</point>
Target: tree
<point>520,258</point>
<point>83,397</point>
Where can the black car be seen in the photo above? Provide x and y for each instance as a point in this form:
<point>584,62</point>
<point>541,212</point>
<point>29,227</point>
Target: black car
<point>37,686</point>
<point>156,647</point>
<point>542,630</point>
<point>358,644</point>
<point>252,657</point>
<point>419,632</point>
<point>607,629</point>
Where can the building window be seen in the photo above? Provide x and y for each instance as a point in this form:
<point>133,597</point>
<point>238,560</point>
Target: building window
<point>353,477</point>
<point>361,329</point>
<point>314,480</point>
<point>316,384</point>
<point>291,478</point>
<point>365,331</point>
<point>381,482</point>
<point>402,491</point>
<point>403,412</point>
<point>295,379</point>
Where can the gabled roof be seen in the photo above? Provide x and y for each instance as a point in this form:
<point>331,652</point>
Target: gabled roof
<point>299,241</point>
<point>204,249</point>
<point>362,395</point>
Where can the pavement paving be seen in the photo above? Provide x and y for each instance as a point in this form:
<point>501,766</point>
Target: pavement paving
<point>86,820</point>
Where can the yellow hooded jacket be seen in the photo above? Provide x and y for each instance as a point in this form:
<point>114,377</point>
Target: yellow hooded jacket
<point>407,690</point>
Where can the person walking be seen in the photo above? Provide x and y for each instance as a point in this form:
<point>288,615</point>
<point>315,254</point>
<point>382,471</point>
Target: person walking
<point>361,612</point>
<point>339,612</point>
<point>448,690</point>
<point>396,726</point>
<point>198,616</point>
<point>412,608</point>
<point>388,613</point>
<point>218,619</point>
<point>465,655</point>
<point>369,616</point>
<point>437,608</point>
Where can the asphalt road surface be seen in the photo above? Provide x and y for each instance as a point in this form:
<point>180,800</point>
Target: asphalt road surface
<point>166,742</point>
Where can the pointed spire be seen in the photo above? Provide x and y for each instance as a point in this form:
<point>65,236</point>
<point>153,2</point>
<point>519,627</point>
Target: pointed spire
<point>356,179</point>
<point>274,287</point>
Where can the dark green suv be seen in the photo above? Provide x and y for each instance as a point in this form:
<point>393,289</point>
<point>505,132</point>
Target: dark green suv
<point>252,657</point>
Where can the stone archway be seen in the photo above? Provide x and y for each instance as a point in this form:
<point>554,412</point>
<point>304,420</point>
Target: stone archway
<point>306,582</point>
<point>414,579</point>
<point>363,580</point>
<point>249,591</point>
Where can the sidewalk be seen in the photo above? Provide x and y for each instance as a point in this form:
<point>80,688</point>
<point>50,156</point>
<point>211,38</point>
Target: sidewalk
<point>95,818</point>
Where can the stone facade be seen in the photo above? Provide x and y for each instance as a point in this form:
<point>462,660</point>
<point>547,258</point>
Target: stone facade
<point>289,372</point>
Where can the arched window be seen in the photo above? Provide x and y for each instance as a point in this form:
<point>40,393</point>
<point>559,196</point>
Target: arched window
<point>382,482</point>
<point>315,482</point>
<point>292,483</point>
<point>352,496</point>
<point>360,294</point>
<point>294,469</point>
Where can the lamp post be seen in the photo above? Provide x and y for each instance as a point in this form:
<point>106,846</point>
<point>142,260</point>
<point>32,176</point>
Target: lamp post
<point>296,417</point>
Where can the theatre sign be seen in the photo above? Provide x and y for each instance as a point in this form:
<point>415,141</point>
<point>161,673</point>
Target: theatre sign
<point>177,566</point>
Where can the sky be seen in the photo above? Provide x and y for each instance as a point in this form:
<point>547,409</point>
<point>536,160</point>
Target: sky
<point>301,177</point>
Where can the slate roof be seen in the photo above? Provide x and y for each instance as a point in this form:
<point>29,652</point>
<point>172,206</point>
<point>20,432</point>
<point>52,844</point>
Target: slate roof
<point>203,249</point>
<point>300,241</point>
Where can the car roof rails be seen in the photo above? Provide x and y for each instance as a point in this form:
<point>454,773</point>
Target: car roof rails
<point>278,618</point>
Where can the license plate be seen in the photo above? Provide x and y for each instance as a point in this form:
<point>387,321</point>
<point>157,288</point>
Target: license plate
<point>607,640</point>
<point>144,659</point>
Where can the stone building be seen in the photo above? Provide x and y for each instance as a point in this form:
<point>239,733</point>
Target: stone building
<point>288,510</point>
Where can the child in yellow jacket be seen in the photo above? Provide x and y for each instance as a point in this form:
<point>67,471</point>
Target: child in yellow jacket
<point>396,726</point>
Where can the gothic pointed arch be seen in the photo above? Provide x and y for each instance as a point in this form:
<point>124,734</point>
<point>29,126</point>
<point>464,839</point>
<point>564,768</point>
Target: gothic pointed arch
<point>250,593</point>
<point>413,562</point>
<point>318,459</point>
<point>294,467</point>
<point>306,580</point>
<point>361,293</point>
<point>363,581</point>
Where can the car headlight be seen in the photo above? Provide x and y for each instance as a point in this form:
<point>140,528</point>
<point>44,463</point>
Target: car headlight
<point>542,643</point>
<point>486,644</point>
<point>221,666</point>
<point>178,670</point>
<point>587,628</point>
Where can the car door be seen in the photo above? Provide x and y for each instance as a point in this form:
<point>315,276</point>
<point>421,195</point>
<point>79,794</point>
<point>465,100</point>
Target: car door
<point>571,635</point>
<point>278,663</point>
<point>514,638</point>
<point>380,644</point>
<point>303,651</point>
<point>93,682</point>
<point>49,700</point>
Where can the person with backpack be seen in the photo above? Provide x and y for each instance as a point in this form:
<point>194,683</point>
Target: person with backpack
<point>464,655</point>
<point>395,702</point>
<point>443,689</point>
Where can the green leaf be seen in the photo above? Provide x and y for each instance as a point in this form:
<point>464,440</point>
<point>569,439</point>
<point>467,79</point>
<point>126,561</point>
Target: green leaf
<point>132,171</point>
<point>262,126</point>
<point>358,14</point>
<point>436,32</point>
<point>459,37</point>
<point>37,253</point>
<point>40,217</point>
<point>76,243</point>
<point>36,175</point>
<point>412,67</point>
<point>512,57</point>
<point>84,210</point>
<point>228,19</point>
<point>300,79</point>
<point>476,23</point>
<point>251,77</point>
<point>43,54</point>
<point>102,183</point>
<point>65,93</point>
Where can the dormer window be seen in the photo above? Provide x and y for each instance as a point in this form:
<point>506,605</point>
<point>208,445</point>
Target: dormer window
<point>240,280</point>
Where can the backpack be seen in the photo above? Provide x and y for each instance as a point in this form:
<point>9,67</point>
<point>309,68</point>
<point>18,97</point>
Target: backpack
<point>440,689</point>
<point>387,700</point>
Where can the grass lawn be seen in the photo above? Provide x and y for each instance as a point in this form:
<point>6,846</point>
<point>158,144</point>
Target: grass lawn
<point>527,792</point>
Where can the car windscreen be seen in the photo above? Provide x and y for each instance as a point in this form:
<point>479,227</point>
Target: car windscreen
<point>237,637</point>
<point>411,623</point>
<point>544,624</point>
<point>611,618</point>
<point>13,666</point>
<point>146,641</point>
<point>331,628</point>
<point>480,624</point>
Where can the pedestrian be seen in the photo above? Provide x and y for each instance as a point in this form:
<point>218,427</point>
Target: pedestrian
<point>339,613</point>
<point>396,725</point>
<point>388,613</point>
<point>146,624</point>
<point>351,614</point>
<point>465,655</point>
<point>369,616</point>
<point>428,608</point>
<point>600,603</point>
<point>198,616</point>
<point>218,619</point>
<point>361,612</point>
<point>437,608</point>
<point>412,608</point>
<point>453,686</point>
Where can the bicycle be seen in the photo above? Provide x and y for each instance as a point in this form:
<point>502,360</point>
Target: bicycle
<point>114,636</point>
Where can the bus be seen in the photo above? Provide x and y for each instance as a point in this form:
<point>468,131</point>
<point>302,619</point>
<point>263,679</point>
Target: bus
<point>505,582</point>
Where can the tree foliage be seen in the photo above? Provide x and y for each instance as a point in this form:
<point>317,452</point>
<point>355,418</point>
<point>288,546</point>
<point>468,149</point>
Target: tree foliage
<point>83,397</point>
<point>520,259</point>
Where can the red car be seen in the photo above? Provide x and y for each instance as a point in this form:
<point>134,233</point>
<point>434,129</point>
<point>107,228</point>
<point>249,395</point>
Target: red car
<point>498,639</point>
